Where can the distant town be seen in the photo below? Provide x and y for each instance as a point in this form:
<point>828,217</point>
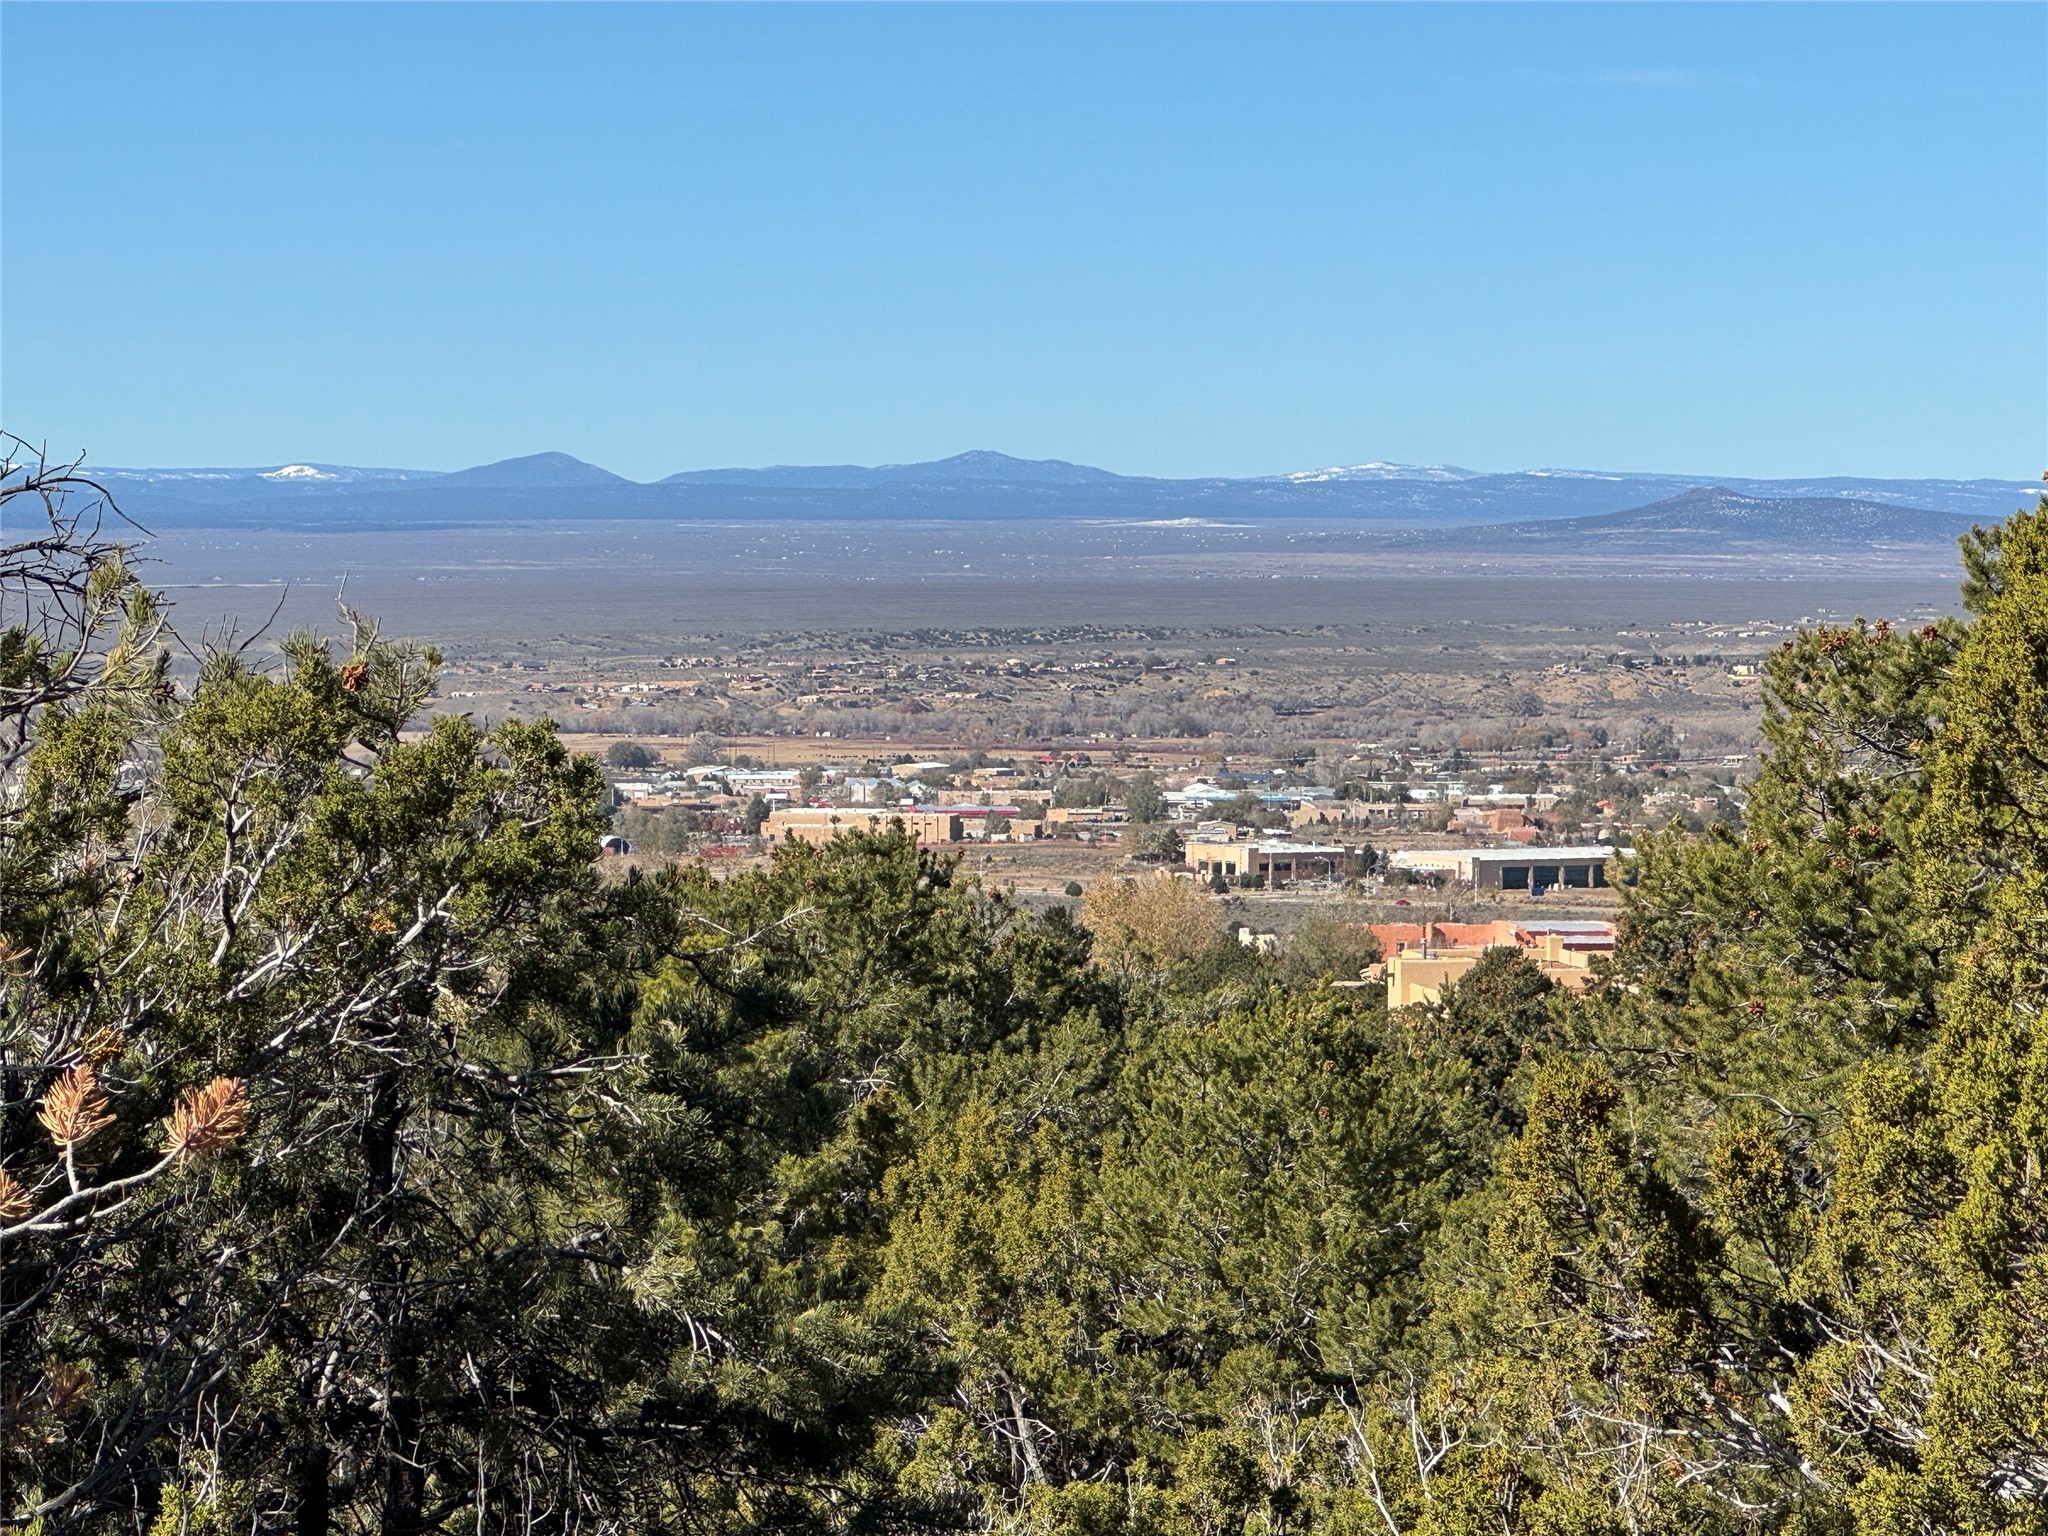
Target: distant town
<point>1377,834</point>
<point>1449,784</point>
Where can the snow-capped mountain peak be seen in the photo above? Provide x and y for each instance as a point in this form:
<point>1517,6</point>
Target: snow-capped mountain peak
<point>1378,470</point>
<point>298,472</point>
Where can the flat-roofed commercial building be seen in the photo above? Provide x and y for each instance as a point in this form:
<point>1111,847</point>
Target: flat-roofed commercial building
<point>818,824</point>
<point>1513,869</point>
<point>749,781</point>
<point>1575,935</point>
<point>1278,861</point>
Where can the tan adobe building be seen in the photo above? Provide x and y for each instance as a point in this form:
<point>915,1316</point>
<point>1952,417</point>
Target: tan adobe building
<point>1418,970</point>
<point>1479,819</point>
<point>1336,813</point>
<point>1083,815</point>
<point>817,824</point>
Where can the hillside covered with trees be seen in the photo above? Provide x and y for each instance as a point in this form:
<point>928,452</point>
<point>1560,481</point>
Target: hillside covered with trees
<point>372,1163</point>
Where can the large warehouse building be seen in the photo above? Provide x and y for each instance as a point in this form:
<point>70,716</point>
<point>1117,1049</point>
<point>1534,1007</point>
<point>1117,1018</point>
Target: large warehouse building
<point>1512,869</point>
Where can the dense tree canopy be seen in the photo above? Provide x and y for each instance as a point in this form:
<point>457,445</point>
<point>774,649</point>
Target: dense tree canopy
<point>372,1161</point>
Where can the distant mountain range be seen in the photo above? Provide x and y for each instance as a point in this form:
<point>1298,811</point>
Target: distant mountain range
<point>1555,506</point>
<point>979,467</point>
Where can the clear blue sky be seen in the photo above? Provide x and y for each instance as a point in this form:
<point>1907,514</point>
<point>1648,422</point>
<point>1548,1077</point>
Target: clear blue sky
<point>1755,239</point>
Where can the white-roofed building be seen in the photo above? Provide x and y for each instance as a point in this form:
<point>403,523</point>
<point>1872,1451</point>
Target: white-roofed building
<point>1513,869</point>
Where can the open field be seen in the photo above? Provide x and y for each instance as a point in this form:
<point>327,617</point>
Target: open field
<point>620,583</point>
<point>1182,644</point>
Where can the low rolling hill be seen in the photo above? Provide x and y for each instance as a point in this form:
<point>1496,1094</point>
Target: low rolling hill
<point>1716,520</point>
